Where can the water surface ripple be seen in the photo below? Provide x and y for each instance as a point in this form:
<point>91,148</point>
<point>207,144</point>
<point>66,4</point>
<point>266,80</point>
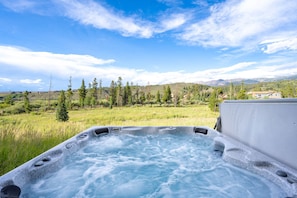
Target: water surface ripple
<point>154,165</point>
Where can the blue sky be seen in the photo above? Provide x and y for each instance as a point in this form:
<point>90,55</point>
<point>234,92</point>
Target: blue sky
<point>144,41</point>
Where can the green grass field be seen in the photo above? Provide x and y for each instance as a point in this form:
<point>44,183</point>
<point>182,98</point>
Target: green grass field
<point>24,136</point>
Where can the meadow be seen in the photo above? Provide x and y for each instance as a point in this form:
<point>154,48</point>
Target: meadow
<point>25,136</point>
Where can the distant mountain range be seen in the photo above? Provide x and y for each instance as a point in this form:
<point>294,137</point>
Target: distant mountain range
<point>222,82</point>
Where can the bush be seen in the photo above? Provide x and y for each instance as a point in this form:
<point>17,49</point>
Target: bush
<point>104,103</point>
<point>75,106</point>
<point>14,109</point>
<point>4,105</point>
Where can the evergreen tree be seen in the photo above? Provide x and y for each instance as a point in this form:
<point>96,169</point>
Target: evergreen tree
<point>196,92</point>
<point>242,93</point>
<point>213,100</point>
<point>158,97</point>
<point>167,94</point>
<point>142,97</point>
<point>119,94</point>
<point>100,90</point>
<point>69,95</point>
<point>112,93</point>
<point>82,93</point>
<point>27,102</point>
<point>127,95</point>
<point>88,95</point>
<point>62,113</point>
<point>136,96</point>
<point>93,89</point>
<point>231,91</point>
<point>149,98</point>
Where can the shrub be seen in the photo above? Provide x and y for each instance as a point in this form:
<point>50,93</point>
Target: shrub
<point>14,109</point>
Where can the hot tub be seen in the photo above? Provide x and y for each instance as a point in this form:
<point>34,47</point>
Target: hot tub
<point>169,161</point>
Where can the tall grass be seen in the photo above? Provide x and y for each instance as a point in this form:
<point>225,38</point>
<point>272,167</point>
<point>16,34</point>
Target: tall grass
<point>23,139</point>
<point>24,136</point>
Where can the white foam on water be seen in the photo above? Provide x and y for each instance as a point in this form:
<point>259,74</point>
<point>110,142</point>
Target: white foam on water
<point>161,165</point>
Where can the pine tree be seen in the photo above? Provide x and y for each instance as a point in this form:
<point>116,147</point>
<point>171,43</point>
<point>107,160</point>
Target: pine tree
<point>142,98</point>
<point>149,98</point>
<point>136,96</point>
<point>82,93</point>
<point>94,92</point>
<point>158,100</point>
<point>100,90</point>
<point>127,95</point>
<point>119,94</point>
<point>88,95</point>
<point>69,95</point>
<point>164,98</point>
<point>231,91</point>
<point>112,93</point>
<point>242,93</point>
<point>27,102</point>
<point>167,95</point>
<point>213,100</point>
<point>62,113</point>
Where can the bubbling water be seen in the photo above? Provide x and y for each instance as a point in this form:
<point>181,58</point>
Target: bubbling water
<point>158,165</point>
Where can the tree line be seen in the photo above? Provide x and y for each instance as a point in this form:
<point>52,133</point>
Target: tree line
<point>119,94</point>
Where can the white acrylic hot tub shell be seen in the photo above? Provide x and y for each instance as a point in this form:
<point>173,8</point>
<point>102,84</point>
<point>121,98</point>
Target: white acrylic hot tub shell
<point>233,151</point>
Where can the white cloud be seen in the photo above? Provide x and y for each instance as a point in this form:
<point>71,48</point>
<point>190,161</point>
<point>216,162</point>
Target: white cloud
<point>5,80</point>
<point>83,66</point>
<point>229,69</point>
<point>172,21</point>
<point>243,70</point>
<point>62,66</point>
<point>30,81</point>
<point>270,71</point>
<point>34,6</point>
<point>18,5</point>
<point>103,17</point>
<point>202,3</point>
<point>237,23</point>
<point>232,23</point>
<point>51,63</point>
<point>273,46</point>
<point>93,13</point>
